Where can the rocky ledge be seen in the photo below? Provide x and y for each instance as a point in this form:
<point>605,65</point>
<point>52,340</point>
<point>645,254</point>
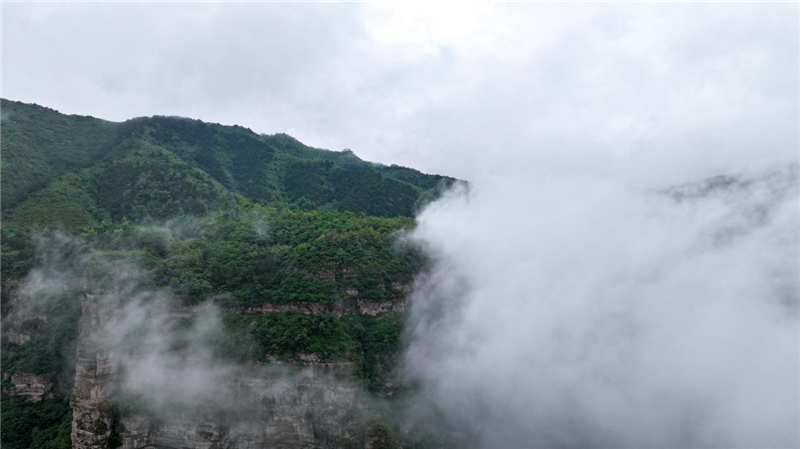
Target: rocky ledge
<point>338,308</point>
<point>32,387</point>
<point>276,405</point>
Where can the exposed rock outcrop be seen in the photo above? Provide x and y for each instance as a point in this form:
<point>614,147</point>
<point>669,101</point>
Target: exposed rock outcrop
<point>19,318</point>
<point>32,387</point>
<point>369,307</point>
<point>9,289</point>
<point>302,403</point>
<point>328,275</point>
<point>21,323</point>
<point>92,417</point>
<point>17,337</point>
<point>276,405</point>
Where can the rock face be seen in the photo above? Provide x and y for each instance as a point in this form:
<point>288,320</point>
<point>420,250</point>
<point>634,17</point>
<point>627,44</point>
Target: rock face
<point>33,387</point>
<point>17,337</point>
<point>9,289</point>
<point>92,417</point>
<point>143,432</point>
<point>19,319</point>
<point>307,403</point>
<point>21,323</point>
<point>276,406</point>
<point>339,308</point>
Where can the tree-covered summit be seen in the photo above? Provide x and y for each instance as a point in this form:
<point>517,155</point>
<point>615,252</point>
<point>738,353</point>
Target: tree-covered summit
<point>158,167</point>
<point>275,221</point>
<point>301,249</point>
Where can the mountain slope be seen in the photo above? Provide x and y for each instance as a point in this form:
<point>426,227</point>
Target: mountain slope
<point>297,249</point>
<point>40,144</point>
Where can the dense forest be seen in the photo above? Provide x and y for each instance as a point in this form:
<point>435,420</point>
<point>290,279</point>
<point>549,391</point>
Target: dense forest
<point>211,213</point>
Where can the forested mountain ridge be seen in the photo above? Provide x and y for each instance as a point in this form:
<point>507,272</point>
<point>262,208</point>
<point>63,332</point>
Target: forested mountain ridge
<point>137,186</point>
<point>299,249</point>
<point>203,163</point>
<point>281,270</point>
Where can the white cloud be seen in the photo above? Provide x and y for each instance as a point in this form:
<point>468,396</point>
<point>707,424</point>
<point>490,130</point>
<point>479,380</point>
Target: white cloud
<point>577,312</point>
<point>671,92</point>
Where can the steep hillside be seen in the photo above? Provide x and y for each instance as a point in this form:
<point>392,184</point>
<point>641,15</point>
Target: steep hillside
<point>160,166</point>
<point>297,249</point>
<point>38,144</point>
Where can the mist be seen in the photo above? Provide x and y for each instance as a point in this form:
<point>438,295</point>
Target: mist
<point>578,311</point>
<point>170,361</point>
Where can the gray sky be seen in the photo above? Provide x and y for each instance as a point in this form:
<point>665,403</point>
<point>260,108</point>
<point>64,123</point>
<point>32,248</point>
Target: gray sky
<point>652,93</point>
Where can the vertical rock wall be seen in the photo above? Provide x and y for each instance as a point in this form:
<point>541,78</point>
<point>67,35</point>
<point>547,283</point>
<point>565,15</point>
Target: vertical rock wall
<point>307,404</point>
<point>281,407</point>
<point>92,417</point>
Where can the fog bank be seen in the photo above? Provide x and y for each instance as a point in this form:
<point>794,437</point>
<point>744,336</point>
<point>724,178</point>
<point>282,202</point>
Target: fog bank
<point>579,312</point>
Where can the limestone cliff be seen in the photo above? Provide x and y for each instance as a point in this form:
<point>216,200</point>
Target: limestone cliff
<point>92,417</point>
<point>33,387</point>
<point>26,323</point>
<point>305,403</point>
<point>277,406</point>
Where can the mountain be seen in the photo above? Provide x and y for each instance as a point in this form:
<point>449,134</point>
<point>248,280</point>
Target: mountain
<point>178,284</point>
<point>157,167</point>
<point>298,250</point>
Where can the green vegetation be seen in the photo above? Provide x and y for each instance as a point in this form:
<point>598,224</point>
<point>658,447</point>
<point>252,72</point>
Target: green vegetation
<point>255,255</point>
<point>278,221</point>
<point>63,203</point>
<point>379,435</point>
<point>208,211</point>
<point>318,231</point>
<point>46,352</point>
<point>157,167</point>
<point>38,144</point>
<point>153,182</point>
<point>42,425</point>
<point>292,333</point>
<point>17,253</point>
<point>378,340</point>
<point>368,342</point>
<point>382,437</point>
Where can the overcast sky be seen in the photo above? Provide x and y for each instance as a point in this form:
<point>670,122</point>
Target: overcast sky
<point>654,93</point>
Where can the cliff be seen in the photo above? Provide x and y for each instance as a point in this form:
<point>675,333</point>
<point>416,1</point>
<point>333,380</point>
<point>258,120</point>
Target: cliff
<point>305,402</point>
<point>299,250</point>
<point>95,370</point>
<point>309,407</point>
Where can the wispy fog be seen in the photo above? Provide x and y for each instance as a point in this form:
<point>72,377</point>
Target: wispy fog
<point>169,361</point>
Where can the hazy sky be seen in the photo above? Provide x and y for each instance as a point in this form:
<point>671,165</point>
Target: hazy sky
<point>655,93</point>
